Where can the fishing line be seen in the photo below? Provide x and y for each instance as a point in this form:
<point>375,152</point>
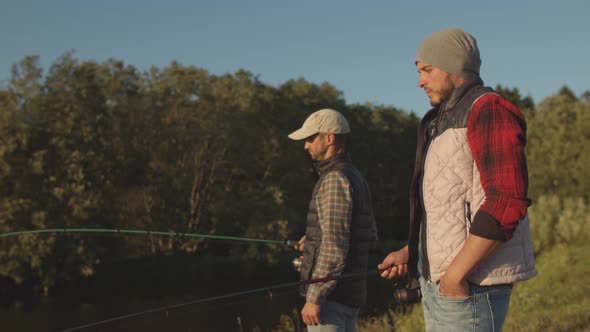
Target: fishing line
<point>268,289</point>
<point>143,232</point>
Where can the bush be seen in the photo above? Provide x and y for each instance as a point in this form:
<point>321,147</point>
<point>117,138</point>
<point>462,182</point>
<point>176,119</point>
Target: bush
<point>557,220</point>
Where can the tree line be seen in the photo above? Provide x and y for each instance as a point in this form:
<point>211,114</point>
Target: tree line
<point>104,145</point>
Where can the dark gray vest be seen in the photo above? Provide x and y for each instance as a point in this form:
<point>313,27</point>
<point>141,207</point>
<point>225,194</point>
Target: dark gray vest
<point>349,292</point>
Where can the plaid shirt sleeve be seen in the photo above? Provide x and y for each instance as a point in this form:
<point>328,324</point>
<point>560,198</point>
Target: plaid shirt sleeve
<point>496,132</point>
<point>334,202</point>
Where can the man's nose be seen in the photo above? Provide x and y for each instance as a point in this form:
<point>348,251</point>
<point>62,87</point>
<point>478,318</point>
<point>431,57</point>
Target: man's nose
<point>421,81</point>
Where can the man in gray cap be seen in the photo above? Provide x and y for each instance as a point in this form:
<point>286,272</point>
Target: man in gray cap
<point>340,227</point>
<point>469,238</point>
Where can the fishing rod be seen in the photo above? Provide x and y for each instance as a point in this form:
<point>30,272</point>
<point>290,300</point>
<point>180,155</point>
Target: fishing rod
<point>143,232</point>
<point>268,289</point>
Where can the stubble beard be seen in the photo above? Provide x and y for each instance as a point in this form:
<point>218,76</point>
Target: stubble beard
<point>443,95</point>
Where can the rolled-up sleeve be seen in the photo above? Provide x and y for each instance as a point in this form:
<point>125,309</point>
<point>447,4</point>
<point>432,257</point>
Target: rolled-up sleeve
<point>496,132</point>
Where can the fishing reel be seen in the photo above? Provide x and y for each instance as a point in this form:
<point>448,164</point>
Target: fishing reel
<point>409,294</point>
<point>297,263</point>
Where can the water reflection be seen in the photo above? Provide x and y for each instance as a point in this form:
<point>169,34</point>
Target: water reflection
<point>251,313</point>
<point>124,289</point>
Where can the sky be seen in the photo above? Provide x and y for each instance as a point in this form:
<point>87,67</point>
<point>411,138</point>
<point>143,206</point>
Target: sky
<point>365,49</point>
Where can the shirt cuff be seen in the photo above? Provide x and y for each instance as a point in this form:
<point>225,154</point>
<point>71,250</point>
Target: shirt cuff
<point>486,226</point>
<point>314,296</point>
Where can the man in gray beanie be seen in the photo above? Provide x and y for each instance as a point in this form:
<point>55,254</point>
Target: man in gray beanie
<point>469,238</point>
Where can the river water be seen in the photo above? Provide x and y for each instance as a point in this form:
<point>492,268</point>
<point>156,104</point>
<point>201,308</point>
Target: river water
<point>254,312</point>
<point>244,313</point>
<point>136,299</point>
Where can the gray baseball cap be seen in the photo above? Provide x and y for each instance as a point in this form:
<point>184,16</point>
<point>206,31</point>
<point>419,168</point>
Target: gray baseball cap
<point>324,121</point>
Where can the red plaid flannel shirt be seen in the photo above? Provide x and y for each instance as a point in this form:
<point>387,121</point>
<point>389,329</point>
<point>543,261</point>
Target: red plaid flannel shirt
<point>496,132</point>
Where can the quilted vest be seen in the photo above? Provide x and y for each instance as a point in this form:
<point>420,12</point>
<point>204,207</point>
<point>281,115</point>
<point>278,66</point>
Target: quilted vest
<point>351,292</point>
<point>451,191</point>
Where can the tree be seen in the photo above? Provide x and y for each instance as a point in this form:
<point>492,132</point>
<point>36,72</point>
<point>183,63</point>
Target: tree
<point>558,137</point>
<point>174,149</point>
<point>526,105</point>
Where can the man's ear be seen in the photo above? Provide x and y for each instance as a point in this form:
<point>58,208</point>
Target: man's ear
<point>330,139</point>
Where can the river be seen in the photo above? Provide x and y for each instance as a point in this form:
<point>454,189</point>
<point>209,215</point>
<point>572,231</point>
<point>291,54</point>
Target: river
<point>136,298</point>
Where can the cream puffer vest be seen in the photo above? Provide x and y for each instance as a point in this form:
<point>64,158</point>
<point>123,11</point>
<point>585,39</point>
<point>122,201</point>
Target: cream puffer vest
<point>453,193</point>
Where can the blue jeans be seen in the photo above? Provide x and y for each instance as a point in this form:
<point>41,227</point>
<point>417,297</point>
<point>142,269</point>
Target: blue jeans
<point>484,310</point>
<point>335,317</point>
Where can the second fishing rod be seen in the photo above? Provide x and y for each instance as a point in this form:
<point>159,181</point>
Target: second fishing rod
<point>267,289</point>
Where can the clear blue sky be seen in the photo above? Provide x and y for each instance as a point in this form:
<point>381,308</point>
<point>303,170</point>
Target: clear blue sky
<point>364,48</point>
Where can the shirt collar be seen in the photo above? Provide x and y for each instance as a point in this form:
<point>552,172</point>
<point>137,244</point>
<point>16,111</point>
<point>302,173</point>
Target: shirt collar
<point>324,165</point>
<point>460,92</point>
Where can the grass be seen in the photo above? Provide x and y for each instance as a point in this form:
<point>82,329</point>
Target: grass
<point>558,298</point>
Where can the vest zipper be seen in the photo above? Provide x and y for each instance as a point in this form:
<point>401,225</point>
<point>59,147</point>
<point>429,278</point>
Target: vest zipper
<point>423,233</point>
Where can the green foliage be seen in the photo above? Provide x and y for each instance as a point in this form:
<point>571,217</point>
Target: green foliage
<point>409,320</point>
<point>178,149</point>
<point>558,136</point>
<point>289,323</point>
<point>558,297</point>
<point>170,149</point>
<point>559,221</point>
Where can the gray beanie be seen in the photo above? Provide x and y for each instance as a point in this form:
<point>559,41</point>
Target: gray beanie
<point>452,50</point>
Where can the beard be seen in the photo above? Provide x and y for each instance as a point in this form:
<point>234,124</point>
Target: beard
<point>440,95</point>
